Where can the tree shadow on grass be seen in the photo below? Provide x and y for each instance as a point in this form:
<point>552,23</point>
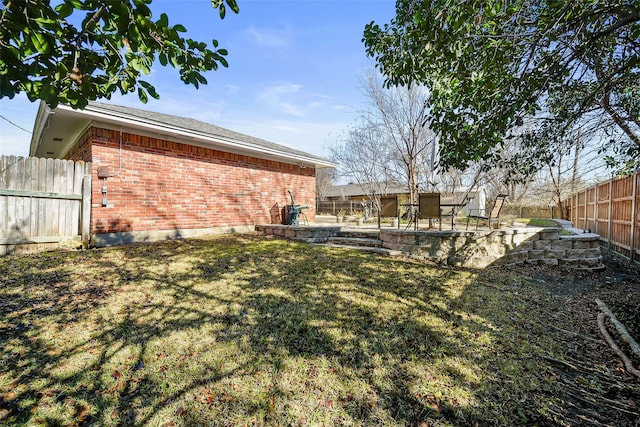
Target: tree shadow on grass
<point>244,330</point>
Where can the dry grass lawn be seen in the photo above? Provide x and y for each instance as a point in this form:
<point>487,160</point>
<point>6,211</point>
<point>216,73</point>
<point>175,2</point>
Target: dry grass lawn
<point>246,330</point>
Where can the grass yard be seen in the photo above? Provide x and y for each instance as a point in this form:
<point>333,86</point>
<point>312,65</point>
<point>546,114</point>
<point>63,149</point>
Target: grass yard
<point>246,330</point>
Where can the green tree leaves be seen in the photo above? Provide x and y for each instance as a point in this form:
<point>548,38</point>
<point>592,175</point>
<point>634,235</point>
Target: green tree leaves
<point>48,57</point>
<point>220,5</point>
<point>490,63</point>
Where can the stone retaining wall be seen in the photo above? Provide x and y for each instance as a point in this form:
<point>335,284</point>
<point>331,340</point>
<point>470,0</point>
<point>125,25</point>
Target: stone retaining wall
<point>299,233</point>
<point>479,249</point>
<point>475,249</point>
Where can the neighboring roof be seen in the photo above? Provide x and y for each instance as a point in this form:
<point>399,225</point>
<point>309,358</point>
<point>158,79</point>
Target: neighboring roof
<point>57,130</point>
<point>354,190</point>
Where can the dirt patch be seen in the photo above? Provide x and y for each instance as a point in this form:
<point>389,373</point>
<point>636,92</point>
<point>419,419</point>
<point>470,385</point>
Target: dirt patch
<point>618,286</point>
<point>598,391</point>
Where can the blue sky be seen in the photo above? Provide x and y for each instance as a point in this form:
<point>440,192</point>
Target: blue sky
<point>294,72</point>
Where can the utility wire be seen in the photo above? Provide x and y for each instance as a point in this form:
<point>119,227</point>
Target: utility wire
<point>18,126</point>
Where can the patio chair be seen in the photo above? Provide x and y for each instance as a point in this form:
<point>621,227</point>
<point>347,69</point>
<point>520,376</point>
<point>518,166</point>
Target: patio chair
<point>451,208</point>
<point>389,206</point>
<point>494,215</point>
<point>429,206</point>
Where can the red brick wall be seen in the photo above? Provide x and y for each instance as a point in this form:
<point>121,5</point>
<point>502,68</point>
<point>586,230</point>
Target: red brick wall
<point>82,149</point>
<point>164,185</point>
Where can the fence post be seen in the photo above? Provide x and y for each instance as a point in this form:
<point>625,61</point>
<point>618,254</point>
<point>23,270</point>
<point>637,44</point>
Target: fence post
<point>572,209</point>
<point>610,211</point>
<point>584,224</point>
<point>634,192</point>
<point>595,202</point>
<point>595,210</point>
<point>86,211</point>
<point>578,210</point>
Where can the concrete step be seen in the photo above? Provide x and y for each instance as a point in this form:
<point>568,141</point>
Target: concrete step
<point>311,239</point>
<point>563,223</point>
<point>362,234</point>
<point>355,241</point>
<point>377,250</point>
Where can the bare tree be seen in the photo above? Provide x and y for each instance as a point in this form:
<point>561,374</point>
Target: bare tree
<point>391,143</point>
<point>365,159</point>
<point>402,115</point>
<point>562,186</point>
<point>324,180</point>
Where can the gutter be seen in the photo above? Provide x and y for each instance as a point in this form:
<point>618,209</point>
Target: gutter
<point>121,119</point>
<point>42,119</point>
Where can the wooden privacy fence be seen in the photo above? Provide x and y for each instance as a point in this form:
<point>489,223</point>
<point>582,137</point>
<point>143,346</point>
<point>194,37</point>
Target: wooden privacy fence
<point>611,209</point>
<point>349,206</point>
<point>518,211</point>
<point>43,203</point>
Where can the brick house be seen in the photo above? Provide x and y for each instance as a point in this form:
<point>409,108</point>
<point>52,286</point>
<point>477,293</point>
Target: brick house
<point>158,176</point>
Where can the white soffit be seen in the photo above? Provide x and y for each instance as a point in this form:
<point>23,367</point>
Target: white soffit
<point>55,132</point>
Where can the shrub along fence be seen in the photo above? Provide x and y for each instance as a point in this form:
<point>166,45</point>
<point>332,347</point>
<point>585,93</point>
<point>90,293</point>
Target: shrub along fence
<point>611,209</point>
<point>43,203</point>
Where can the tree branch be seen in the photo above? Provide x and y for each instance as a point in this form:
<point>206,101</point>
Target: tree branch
<point>620,327</point>
<point>624,21</point>
<point>627,362</point>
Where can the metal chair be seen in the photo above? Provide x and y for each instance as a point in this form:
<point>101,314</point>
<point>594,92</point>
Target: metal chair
<point>451,208</point>
<point>494,215</point>
<point>429,207</point>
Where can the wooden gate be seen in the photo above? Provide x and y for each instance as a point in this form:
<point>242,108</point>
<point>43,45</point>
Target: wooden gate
<point>44,203</point>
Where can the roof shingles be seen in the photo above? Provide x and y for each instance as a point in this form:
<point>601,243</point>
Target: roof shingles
<point>192,125</point>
